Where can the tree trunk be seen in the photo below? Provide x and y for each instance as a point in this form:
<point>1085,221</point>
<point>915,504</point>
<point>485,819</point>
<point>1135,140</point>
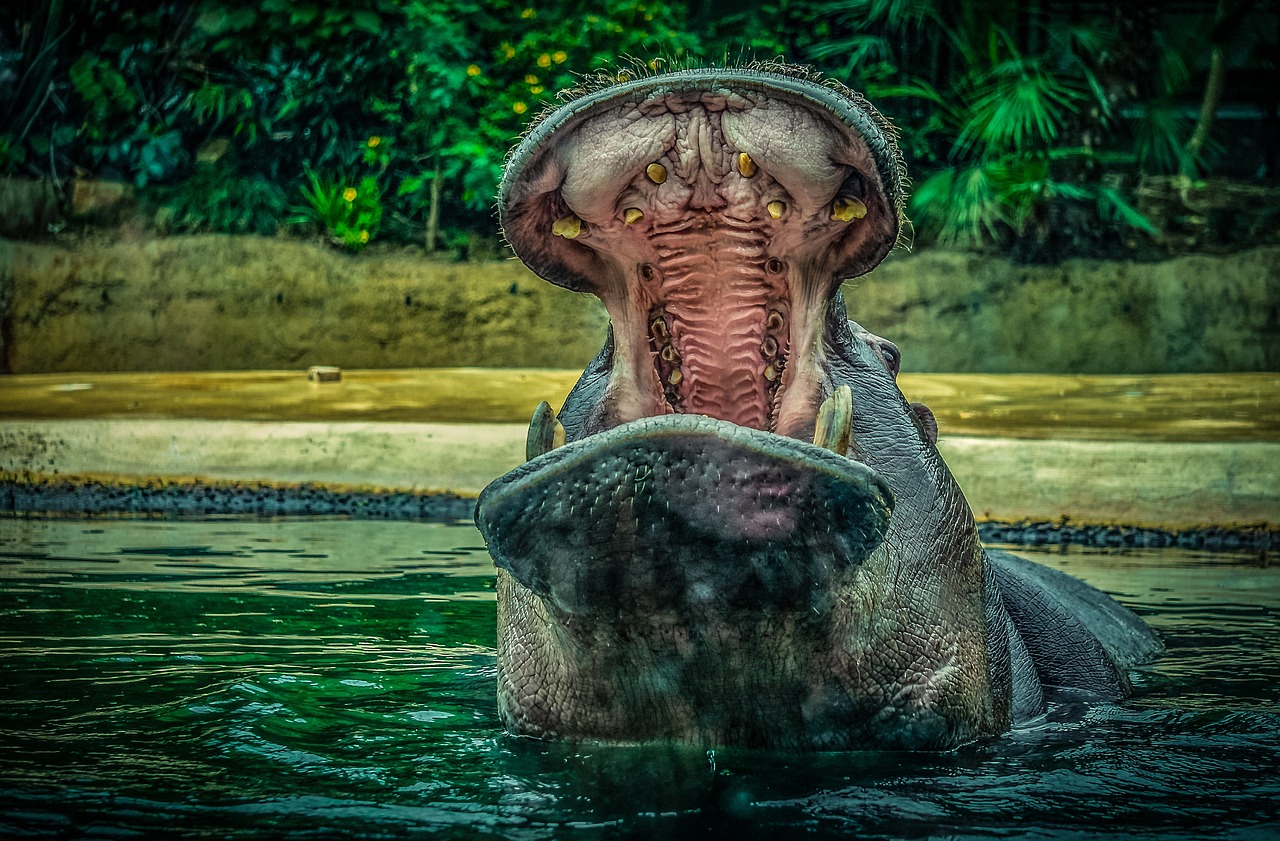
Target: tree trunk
<point>1208,108</point>
<point>433,213</point>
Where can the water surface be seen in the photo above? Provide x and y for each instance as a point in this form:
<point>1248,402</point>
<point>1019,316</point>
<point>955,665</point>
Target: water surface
<point>308,678</point>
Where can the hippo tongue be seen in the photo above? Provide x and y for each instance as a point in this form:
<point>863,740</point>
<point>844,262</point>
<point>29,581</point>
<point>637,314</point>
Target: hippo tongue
<point>679,512</point>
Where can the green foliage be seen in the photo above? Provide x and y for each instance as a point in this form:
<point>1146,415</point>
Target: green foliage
<point>1005,125</point>
<point>215,198</point>
<point>1006,116</point>
<point>349,214</point>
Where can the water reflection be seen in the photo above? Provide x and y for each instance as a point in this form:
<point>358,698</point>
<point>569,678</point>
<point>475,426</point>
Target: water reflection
<point>315,677</point>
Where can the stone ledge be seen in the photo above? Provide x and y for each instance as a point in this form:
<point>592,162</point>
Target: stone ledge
<point>1159,485</point>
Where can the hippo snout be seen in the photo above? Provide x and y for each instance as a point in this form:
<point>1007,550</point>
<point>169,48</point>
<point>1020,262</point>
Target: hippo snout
<point>687,515</point>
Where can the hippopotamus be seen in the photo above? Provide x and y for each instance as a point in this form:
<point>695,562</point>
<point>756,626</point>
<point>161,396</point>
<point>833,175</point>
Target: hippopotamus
<point>737,531</point>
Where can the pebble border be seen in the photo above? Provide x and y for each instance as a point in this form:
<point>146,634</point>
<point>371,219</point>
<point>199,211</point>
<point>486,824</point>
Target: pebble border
<point>161,499</point>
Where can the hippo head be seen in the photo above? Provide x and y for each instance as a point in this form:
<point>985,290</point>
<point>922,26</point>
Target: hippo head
<point>737,531</point>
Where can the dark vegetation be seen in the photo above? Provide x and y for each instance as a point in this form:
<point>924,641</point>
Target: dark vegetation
<point>1045,128</point>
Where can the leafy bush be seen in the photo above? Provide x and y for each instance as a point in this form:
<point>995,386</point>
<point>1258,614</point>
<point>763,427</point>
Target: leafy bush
<point>349,214</point>
<point>1010,118</point>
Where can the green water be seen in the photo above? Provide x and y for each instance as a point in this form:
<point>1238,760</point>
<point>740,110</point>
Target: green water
<point>321,678</point>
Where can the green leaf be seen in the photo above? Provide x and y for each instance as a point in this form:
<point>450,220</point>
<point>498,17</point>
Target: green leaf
<point>1112,205</point>
<point>368,21</point>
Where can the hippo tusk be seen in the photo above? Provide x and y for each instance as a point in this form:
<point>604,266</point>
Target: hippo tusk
<point>834,427</point>
<point>545,432</point>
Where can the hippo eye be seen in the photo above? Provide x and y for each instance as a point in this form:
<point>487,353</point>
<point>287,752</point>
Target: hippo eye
<point>891,355</point>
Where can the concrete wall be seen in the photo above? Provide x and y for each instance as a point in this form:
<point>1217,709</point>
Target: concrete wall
<point>230,303</point>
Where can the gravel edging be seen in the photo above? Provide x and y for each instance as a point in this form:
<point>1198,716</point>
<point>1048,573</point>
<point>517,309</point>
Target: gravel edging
<point>161,499</point>
<point>197,498</point>
<point>1211,538</point>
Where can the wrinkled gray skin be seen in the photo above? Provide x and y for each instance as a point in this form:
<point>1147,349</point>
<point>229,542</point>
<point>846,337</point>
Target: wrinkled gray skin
<point>689,566</point>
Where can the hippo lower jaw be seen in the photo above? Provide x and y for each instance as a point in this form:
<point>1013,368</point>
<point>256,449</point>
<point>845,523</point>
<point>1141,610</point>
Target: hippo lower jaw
<point>687,516</point>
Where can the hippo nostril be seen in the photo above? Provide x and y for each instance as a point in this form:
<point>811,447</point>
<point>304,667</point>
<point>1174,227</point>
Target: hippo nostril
<point>774,266</point>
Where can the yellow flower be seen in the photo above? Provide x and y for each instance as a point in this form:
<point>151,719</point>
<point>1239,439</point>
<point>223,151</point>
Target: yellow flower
<point>508,51</point>
<point>349,194</point>
<point>528,14</point>
<point>473,70</point>
<point>519,107</point>
<point>364,236</point>
<point>536,89</point>
<point>374,141</point>
<point>531,79</point>
<point>544,60</point>
<point>559,56</point>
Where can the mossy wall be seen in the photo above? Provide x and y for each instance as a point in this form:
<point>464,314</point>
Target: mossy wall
<point>229,303</point>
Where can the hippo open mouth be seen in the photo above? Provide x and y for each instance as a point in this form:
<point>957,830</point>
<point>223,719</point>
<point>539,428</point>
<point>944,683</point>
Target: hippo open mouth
<point>715,214</point>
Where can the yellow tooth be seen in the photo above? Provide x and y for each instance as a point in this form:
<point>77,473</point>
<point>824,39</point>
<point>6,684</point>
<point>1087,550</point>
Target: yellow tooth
<point>670,354</point>
<point>675,376</point>
<point>847,209</point>
<point>775,320</point>
<point>769,347</point>
<point>776,209</point>
<point>659,327</point>
<point>632,215</point>
<point>746,166</point>
<point>834,426</point>
<point>545,432</point>
<point>567,226</point>
<point>657,173</point>
<point>770,373</point>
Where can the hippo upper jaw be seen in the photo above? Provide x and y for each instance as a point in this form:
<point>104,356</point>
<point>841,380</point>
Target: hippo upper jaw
<point>714,213</point>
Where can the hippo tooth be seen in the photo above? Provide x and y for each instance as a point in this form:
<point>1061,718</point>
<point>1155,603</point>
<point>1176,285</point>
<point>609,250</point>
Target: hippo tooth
<point>835,421</point>
<point>746,166</point>
<point>545,432</point>
<point>776,209</point>
<point>567,226</point>
<point>847,209</point>
<point>632,215</point>
<point>657,173</point>
<point>675,376</point>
